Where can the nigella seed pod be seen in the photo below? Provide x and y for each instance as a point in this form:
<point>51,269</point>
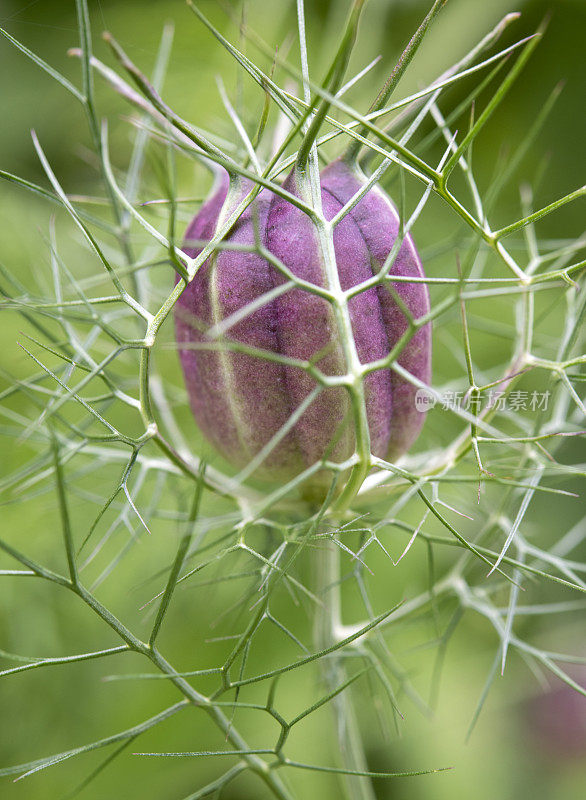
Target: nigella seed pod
<point>308,326</point>
<point>238,400</point>
<point>250,406</point>
<point>377,220</point>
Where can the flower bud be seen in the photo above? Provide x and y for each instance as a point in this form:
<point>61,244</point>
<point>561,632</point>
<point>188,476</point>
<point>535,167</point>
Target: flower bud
<point>244,402</point>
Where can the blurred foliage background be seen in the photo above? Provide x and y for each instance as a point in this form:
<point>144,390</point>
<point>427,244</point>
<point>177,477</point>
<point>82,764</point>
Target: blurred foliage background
<point>51,710</point>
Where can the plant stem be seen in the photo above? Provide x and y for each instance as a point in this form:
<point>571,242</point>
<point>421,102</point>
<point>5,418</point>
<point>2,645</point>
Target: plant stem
<point>252,761</point>
<point>327,626</point>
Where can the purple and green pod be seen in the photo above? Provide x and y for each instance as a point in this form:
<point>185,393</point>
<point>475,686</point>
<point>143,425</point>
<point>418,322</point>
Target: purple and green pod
<point>240,400</point>
<point>377,223</point>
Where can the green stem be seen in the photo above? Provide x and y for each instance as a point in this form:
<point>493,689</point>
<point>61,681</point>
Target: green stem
<point>332,82</point>
<point>351,154</point>
<point>327,624</point>
<point>253,762</point>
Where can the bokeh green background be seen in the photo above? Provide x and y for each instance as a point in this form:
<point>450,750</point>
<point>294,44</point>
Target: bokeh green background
<point>59,708</point>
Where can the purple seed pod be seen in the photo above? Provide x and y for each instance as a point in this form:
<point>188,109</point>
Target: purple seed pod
<point>377,221</point>
<point>238,400</point>
<point>307,326</point>
<point>241,401</point>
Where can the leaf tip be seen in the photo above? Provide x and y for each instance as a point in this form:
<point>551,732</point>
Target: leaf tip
<point>544,24</point>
